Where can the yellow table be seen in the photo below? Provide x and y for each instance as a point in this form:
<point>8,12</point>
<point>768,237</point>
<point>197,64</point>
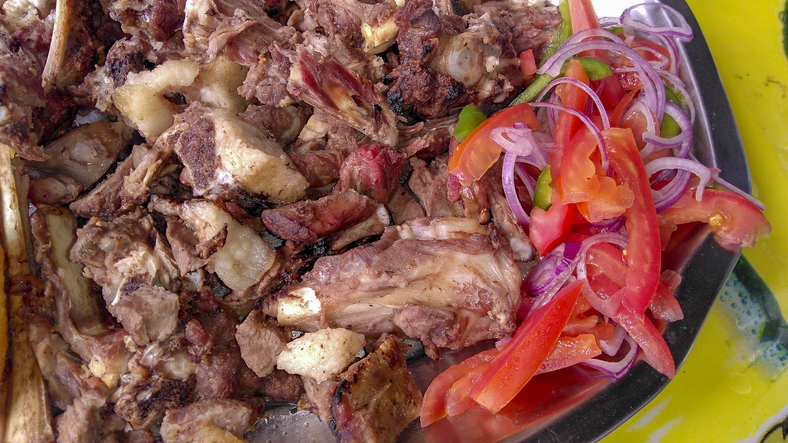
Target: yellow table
<point>720,394</point>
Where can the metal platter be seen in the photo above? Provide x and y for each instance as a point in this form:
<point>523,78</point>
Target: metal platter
<point>578,405</point>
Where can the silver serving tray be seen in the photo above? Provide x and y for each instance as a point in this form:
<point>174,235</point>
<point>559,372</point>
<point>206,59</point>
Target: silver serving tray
<point>576,404</point>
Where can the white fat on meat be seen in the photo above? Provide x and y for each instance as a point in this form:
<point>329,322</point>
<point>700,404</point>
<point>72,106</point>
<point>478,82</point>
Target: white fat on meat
<point>449,282</point>
<point>321,354</point>
<point>242,259</point>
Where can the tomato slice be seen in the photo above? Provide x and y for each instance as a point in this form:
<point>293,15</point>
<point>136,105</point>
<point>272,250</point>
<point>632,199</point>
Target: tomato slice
<point>548,228</point>
<point>478,152</point>
<point>646,335</point>
<point>457,399</point>
<point>583,16</point>
<point>733,219</point>
<point>644,251</point>
<point>567,124</point>
<point>526,351</point>
<point>570,351</point>
<point>528,64</point>
<point>581,181</point>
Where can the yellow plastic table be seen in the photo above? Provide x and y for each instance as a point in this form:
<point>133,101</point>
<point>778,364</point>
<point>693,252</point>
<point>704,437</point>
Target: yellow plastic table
<point>733,387</point>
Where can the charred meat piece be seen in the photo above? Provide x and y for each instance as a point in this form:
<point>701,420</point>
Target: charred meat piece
<point>77,316</point>
<point>125,56</point>
<point>219,149</point>
<point>324,83</point>
<point>524,25</point>
<point>20,77</point>
<point>448,60</point>
<point>310,220</point>
<point>218,374</point>
<point>157,20</point>
<point>372,170</point>
<point>430,138</point>
<point>145,396</point>
<point>235,252</point>
<point>81,422</point>
<point>403,206</point>
<point>448,282</point>
<point>106,199</point>
<point>260,342</point>
<point>376,398</point>
<point>207,420</point>
<point>87,152</point>
<point>281,386</point>
<point>240,28</point>
<point>429,184</point>
<point>266,80</point>
<point>80,36</point>
<point>127,250</point>
<point>283,123</point>
<point>369,26</point>
<point>134,266</point>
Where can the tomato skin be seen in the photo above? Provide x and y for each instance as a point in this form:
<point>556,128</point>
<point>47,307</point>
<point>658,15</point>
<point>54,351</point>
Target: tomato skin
<point>457,399</point>
<point>567,124</point>
<point>581,181</point>
<point>582,15</point>
<point>570,351</point>
<point>478,152</point>
<point>646,335</point>
<point>548,228</point>
<point>443,394</point>
<point>733,219</point>
<point>644,250</point>
<point>528,64</point>
<point>526,351</point>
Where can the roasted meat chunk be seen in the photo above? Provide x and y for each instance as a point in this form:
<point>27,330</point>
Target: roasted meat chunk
<point>449,282</point>
<point>376,398</point>
<point>310,220</point>
<point>207,420</point>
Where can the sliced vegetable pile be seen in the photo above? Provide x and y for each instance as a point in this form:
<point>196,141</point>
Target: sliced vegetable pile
<point>597,165</point>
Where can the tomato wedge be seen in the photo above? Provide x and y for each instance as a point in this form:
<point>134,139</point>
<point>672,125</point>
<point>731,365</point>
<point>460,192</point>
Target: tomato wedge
<point>548,228</point>
<point>528,64</point>
<point>733,219</point>
<point>583,16</point>
<point>644,250</point>
<point>526,351</point>
<point>569,351</point>
<point>597,196</point>
<point>646,335</point>
<point>434,405</point>
<point>478,152</point>
<point>567,124</point>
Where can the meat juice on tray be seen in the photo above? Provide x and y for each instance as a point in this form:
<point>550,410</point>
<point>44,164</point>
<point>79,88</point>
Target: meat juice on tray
<point>234,205</point>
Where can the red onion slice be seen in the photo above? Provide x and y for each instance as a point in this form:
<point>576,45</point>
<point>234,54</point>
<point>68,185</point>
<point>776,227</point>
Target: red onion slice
<point>683,31</point>
<point>510,191</point>
<point>620,364</point>
<point>586,121</point>
<point>672,163</point>
<point>759,204</point>
<point>550,274</point>
<point>617,239</point>
<point>585,88</point>
<point>611,347</point>
<point>652,83</point>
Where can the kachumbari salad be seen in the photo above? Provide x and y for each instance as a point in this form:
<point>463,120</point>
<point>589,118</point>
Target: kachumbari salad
<point>597,165</point>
